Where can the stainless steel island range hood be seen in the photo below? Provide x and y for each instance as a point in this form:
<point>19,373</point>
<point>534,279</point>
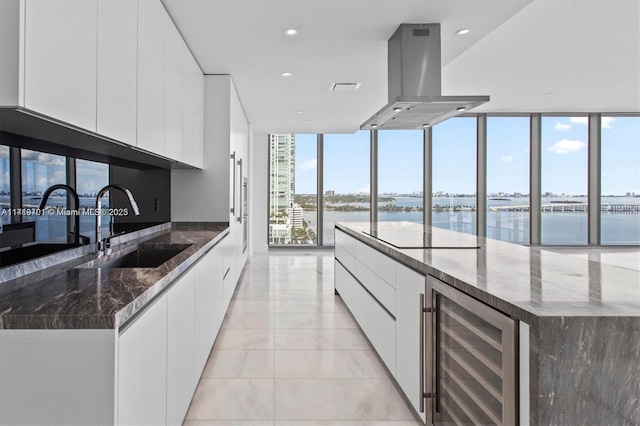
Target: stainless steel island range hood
<point>415,99</point>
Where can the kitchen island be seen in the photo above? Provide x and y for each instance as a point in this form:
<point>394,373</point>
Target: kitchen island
<point>87,340</point>
<point>577,321</point>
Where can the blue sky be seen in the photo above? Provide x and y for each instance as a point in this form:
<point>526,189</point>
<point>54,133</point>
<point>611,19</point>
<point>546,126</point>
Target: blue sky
<point>564,157</point>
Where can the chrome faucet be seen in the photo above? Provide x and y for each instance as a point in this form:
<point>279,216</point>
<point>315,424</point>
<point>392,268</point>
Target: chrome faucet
<point>102,244</point>
<point>74,195</point>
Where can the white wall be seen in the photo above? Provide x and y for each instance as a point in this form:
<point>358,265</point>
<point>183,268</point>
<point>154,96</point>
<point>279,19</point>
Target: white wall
<point>258,209</point>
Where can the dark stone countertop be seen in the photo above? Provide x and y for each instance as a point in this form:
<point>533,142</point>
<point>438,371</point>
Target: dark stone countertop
<point>57,295</point>
<point>527,283</point>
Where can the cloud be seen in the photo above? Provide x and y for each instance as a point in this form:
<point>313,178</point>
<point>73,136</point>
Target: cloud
<point>308,165</point>
<point>507,158</point>
<point>43,158</point>
<point>566,146</point>
<point>579,120</point>
<point>606,122</point>
<point>526,150</point>
<point>366,189</point>
<point>562,127</point>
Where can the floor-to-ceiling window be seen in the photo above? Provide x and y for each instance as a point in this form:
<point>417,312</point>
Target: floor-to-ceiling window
<point>508,179</point>
<point>39,171</point>
<point>346,178</point>
<point>564,180</point>
<point>454,174</point>
<point>400,175</point>
<point>293,198</point>
<point>564,218</point>
<point>620,177</point>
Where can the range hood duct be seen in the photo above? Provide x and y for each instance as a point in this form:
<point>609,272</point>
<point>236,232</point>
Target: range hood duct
<point>415,68</point>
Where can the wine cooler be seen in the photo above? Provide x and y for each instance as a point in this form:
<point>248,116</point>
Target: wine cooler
<point>470,360</point>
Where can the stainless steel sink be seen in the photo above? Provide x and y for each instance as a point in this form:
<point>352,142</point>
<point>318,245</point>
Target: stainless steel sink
<point>145,256</point>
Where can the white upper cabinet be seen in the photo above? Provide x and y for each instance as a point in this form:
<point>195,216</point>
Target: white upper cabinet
<point>151,73</point>
<point>117,69</point>
<point>60,60</point>
<point>173,90</point>
<point>193,112</point>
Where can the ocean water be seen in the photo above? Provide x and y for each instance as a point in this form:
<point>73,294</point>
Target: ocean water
<point>557,228</point>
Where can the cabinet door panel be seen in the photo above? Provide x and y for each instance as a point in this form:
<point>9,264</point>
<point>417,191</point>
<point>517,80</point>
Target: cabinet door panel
<point>208,305</point>
<point>193,112</point>
<point>180,348</point>
<point>60,60</point>
<point>142,368</point>
<point>151,20</point>
<point>173,90</point>
<point>379,263</point>
<point>117,69</point>
<point>409,286</point>
<point>374,320</point>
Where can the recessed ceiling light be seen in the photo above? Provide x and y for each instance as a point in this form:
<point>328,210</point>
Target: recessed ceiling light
<point>461,108</point>
<point>299,111</point>
<point>291,32</point>
<point>286,74</point>
<point>397,109</point>
<point>374,126</point>
<point>425,125</point>
<point>463,31</point>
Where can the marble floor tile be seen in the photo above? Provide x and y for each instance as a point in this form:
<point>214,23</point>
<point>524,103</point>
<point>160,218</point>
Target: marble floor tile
<point>346,423</point>
<point>339,399</point>
<point>310,306</point>
<point>325,364</point>
<point>290,353</point>
<point>244,338</point>
<point>314,320</point>
<point>251,306</point>
<point>239,364</point>
<point>239,319</point>
<point>254,293</point>
<point>228,423</point>
<point>233,399</point>
<point>320,339</point>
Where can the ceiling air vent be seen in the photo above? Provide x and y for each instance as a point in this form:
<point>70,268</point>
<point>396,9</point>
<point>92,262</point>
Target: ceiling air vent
<point>343,87</point>
<point>421,32</point>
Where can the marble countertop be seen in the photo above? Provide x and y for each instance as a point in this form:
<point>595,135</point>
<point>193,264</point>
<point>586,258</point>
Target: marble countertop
<point>524,282</point>
<point>62,296</point>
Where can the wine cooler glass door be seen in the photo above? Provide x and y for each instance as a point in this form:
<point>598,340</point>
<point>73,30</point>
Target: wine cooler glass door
<point>474,375</point>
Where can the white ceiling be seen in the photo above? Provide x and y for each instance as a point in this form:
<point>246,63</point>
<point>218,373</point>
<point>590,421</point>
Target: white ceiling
<point>587,52</point>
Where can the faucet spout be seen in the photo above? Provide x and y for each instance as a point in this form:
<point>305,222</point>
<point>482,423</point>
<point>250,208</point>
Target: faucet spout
<point>134,206</point>
<point>74,195</point>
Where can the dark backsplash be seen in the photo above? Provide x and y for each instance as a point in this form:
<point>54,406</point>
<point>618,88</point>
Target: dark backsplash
<point>152,191</point>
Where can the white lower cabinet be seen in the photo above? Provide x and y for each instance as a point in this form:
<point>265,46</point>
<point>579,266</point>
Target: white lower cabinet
<point>181,379</point>
<point>142,368</point>
<point>209,305</point>
<point>409,286</point>
<point>375,321</point>
<point>144,373</point>
<point>163,352</point>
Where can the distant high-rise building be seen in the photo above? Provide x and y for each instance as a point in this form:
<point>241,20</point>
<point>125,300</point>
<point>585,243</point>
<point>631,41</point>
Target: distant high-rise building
<point>330,193</point>
<point>295,215</point>
<point>282,155</point>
